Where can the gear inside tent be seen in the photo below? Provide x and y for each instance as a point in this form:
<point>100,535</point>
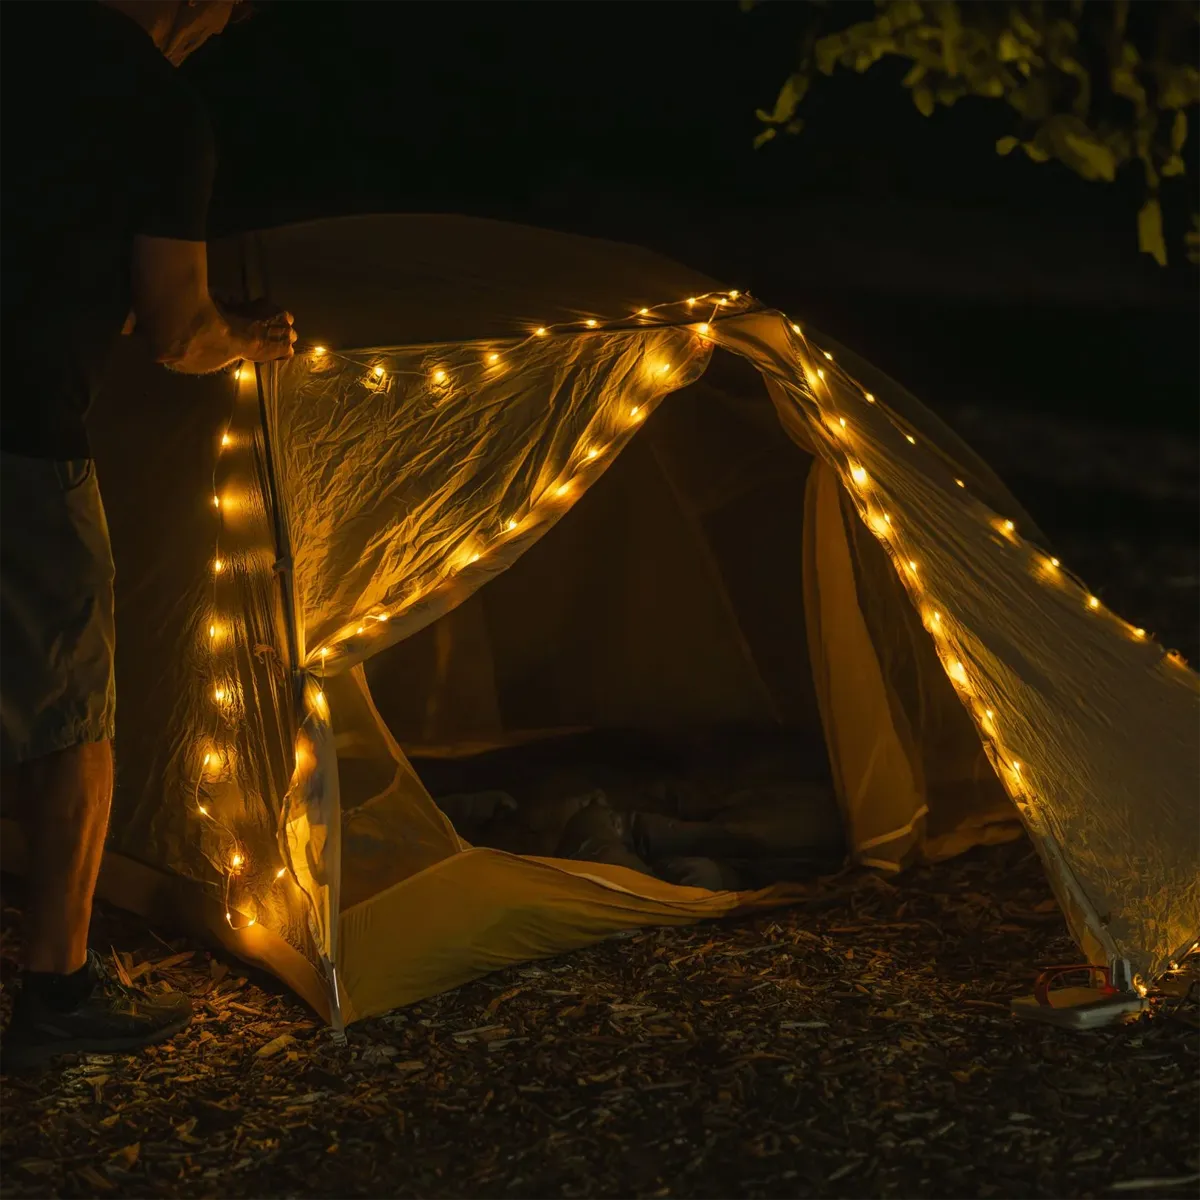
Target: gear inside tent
<point>554,590</point>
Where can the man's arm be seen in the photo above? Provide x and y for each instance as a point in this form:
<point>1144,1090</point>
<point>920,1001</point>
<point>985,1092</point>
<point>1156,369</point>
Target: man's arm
<point>186,330</point>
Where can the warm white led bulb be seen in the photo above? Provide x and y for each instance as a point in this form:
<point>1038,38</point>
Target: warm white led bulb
<point>1009,527</point>
<point>493,358</point>
<point>540,331</point>
<point>869,397</point>
<point>691,301</point>
<point>1055,563</point>
<point>829,356</point>
<point>378,372</point>
<point>439,376</point>
<point>859,475</point>
<point>590,323</point>
<point>795,327</point>
<point>645,312</point>
<point>218,566</point>
<point>702,328</point>
<point>318,351</point>
<point>281,873</point>
<point>592,452</point>
<point>225,439</point>
<point>1093,602</point>
<point>512,524</point>
<point>908,437</point>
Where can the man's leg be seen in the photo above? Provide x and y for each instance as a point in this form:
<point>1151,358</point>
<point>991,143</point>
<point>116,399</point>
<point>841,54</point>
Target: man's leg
<point>64,799</point>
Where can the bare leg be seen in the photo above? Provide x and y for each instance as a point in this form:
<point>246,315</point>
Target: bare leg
<point>65,799</point>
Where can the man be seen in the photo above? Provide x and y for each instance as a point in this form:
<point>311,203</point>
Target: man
<point>107,170</point>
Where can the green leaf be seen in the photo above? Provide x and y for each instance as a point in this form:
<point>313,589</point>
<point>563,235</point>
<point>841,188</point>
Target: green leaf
<point>1006,145</point>
<point>1179,132</point>
<point>789,97</point>
<point>1090,158</point>
<point>1150,231</point>
<point>923,99</point>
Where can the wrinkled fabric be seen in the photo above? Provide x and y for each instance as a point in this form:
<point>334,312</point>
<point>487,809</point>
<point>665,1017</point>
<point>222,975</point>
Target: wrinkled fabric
<point>962,678</point>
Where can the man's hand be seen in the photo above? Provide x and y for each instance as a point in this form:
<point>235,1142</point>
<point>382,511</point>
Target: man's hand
<point>186,329</point>
<point>265,341</point>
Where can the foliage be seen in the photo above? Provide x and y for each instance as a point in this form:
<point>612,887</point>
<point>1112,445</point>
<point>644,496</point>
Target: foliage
<point>1090,88</point>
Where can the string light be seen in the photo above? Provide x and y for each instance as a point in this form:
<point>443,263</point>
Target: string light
<point>820,372</point>
<point>562,490</point>
<point>795,327</point>
<point>439,376</point>
<point>218,566</point>
<point>1093,602</point>
<point>1009,527</point>
<point>281,873</point>
<point>216,501</point>
<point>643,312</point>
<point>908,437</point>
<point>512,524</point>
<point>225,439</point>
<point>318,352</point>
<point>960,483</point>
<point>1055,563</point>
<point>378,372</point>
<point>592,452</point>
<point>691,301</point>
<point>859,475</point>
<point>703,328</point>
<point>540,331</point>
<point>590,323</point>
<point>636,412</point>
<point>1139,633</point>
<point>869,398</point>
<point>829,356</point>
<point>493,358</point>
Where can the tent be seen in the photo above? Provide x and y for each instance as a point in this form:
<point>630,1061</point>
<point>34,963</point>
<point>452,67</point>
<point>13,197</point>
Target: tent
<point>519,482</point>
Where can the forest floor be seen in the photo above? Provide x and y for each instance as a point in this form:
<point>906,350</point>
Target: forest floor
<point>858,1044</point>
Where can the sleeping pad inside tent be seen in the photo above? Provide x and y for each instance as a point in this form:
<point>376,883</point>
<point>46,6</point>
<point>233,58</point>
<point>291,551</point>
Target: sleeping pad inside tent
<point>554,590</point>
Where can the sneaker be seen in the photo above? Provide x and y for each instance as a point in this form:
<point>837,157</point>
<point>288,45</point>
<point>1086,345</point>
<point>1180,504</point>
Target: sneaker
<point>113,1019</point>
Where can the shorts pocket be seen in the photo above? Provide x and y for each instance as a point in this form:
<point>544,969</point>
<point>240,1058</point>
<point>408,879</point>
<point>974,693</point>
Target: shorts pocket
<point>73,473</point>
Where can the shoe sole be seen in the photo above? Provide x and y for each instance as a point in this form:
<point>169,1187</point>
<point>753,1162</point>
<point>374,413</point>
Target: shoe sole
<point>22,1058</point>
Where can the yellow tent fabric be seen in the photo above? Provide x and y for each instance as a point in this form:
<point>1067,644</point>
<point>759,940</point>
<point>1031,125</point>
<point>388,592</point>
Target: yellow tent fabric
<point>526,482</point>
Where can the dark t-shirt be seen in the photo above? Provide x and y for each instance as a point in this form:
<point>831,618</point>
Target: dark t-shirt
<point>100,140</point>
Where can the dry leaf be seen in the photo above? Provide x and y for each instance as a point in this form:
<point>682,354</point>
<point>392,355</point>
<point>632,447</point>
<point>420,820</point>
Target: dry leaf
<point>274,1046</point>
<point>127,1156</point>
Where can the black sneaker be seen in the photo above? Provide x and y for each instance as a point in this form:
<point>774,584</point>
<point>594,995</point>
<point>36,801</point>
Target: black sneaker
<point>113,1019</point>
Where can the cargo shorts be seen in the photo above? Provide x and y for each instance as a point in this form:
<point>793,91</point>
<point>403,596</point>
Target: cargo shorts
<point>57,624</point>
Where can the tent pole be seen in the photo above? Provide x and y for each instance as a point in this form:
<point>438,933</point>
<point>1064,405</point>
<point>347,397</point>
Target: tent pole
<point>283,549</point>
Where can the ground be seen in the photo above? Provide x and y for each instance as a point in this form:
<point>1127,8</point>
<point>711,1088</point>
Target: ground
<point>856,1045</point>
<point>859,1044</point>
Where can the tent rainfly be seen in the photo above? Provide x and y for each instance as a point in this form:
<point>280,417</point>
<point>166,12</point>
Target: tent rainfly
<point>733,478</point>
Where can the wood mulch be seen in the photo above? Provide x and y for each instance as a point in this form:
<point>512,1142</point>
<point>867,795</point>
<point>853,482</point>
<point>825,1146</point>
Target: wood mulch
<point>855,1045</point>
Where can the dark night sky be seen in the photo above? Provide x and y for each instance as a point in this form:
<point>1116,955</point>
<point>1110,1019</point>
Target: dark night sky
<point>908,237</point>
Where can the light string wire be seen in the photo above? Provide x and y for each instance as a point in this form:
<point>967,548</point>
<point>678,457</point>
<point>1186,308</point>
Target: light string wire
<point>854,477</point>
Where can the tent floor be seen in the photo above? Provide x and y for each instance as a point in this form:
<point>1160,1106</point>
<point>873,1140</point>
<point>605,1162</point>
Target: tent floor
<point>757,798</point>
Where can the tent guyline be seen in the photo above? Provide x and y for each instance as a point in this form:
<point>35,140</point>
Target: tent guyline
<point>848,453</point>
